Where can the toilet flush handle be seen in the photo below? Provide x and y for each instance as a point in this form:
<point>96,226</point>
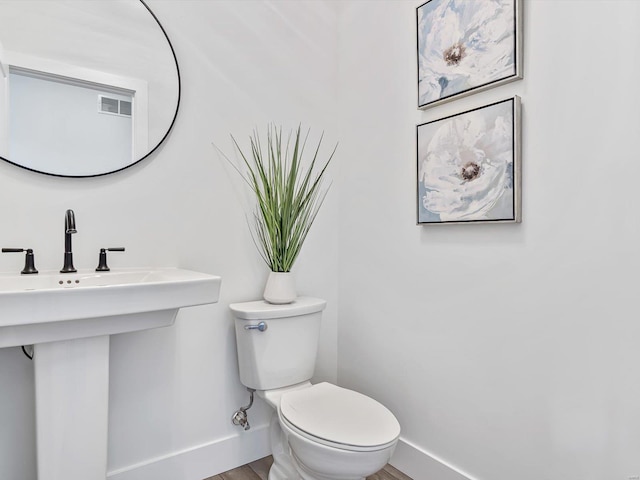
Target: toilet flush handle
<point>262,326</point>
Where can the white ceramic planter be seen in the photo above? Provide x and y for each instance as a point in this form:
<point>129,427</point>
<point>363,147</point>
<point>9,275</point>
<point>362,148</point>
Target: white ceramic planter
<point>280,288</point>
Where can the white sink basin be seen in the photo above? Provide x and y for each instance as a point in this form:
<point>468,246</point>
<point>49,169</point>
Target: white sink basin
<point>52,306</point>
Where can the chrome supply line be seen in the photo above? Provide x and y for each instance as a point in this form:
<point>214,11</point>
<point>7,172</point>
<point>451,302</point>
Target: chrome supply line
<point>240,417</point>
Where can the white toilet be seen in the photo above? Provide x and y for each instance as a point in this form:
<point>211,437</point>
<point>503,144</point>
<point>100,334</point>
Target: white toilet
<point>318,432</point>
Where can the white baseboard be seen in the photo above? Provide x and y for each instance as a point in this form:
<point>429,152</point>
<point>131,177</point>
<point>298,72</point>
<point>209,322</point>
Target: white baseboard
<point>206,460</point>
<point>422,465</point>
<point>201,461</point>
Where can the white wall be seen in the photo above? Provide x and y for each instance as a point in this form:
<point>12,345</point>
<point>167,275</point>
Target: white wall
<point>4,122</point>
<point>508,351</point>
<point>173,390</point>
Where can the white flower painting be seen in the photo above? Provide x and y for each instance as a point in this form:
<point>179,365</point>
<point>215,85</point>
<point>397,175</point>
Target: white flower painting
<point>468,166</point>
<point>465,46</point>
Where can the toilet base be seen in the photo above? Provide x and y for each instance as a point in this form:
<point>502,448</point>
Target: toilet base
<point>305,474</point>
<point>282,468</point>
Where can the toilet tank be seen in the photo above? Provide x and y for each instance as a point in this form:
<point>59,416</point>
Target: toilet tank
<point>285,352</point>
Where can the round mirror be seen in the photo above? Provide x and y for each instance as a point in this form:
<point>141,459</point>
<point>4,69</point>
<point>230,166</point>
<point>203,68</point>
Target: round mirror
<point>87,87</point>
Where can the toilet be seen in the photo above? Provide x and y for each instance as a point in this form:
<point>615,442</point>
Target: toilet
<point>318,431</point>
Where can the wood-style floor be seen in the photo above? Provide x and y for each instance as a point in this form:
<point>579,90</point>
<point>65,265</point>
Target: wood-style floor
<point>259,470</point>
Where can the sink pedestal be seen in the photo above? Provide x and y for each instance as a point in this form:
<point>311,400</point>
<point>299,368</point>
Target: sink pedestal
<point>72,404</point>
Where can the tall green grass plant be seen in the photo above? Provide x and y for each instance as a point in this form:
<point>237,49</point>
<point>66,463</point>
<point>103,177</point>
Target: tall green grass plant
<point>288,190</point>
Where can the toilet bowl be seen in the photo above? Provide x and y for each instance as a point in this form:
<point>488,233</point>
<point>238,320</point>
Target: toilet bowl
<point>317,432</point>
<point>335,433</point>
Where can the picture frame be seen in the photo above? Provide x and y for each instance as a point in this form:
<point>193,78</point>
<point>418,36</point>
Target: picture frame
<point>469,166</point>
<point>466,47</point>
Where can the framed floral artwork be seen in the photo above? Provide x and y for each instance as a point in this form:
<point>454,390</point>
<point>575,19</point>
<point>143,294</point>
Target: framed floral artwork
<point>465,46</point>
<point>468,166</point>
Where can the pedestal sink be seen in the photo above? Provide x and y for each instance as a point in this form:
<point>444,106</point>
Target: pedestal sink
<point>69,318</point>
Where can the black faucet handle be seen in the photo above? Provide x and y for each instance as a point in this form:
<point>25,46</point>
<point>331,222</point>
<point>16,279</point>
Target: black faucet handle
<point>29,259</point>
<point>102,261</point>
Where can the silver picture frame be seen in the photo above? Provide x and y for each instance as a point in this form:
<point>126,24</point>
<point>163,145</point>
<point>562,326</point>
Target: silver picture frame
<point>469,166</point>
<point>457,57</point>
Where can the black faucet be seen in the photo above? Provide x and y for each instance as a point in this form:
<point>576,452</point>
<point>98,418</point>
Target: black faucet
<point>69,229</point>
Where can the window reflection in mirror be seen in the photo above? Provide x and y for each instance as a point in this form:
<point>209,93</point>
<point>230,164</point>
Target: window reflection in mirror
<point>69,123</point>
<point>87,87</point>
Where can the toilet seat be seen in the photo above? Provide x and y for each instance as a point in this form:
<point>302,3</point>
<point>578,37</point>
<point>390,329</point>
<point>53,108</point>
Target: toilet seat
<point>339,418</point>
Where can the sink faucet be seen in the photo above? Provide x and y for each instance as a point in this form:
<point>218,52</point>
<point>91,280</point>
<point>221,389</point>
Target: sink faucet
<point>69,229</point>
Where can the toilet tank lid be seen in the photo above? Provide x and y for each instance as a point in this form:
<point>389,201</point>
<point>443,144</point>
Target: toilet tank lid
<point>261,310</point>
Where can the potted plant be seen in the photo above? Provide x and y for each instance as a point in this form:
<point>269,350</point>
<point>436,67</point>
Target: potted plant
<point>288,192</point>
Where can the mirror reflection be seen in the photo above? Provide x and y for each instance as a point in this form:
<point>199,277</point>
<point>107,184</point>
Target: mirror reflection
<point>87,87</point>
